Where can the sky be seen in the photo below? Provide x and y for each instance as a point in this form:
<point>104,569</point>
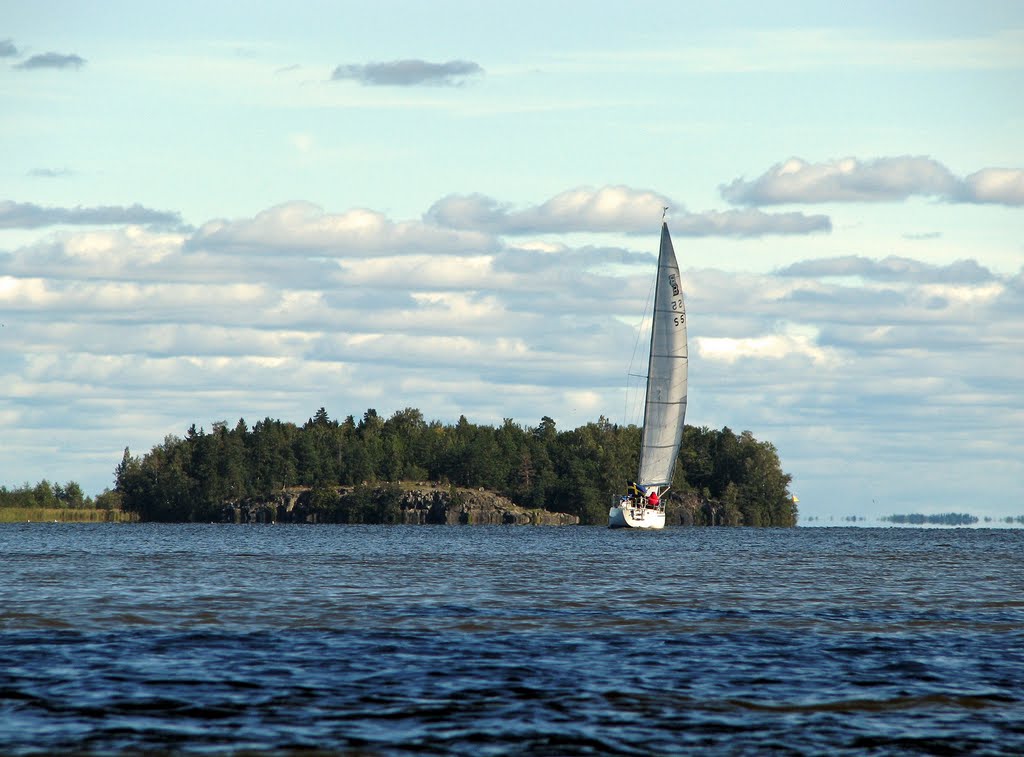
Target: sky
<point>211,212</point>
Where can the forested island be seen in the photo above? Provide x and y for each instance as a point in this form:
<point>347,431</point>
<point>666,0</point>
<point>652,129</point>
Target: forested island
<point>404,469</point>
<point>721,478</point>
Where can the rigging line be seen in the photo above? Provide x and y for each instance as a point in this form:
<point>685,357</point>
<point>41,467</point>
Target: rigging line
<point>640,331</point>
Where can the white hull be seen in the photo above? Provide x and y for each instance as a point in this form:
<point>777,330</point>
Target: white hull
<point>624,516</point>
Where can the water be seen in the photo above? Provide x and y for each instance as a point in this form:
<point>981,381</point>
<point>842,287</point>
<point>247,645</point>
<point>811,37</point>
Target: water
<point>506,640</point>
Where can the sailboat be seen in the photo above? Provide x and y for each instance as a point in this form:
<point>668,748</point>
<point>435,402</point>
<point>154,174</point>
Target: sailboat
<point>665,400</point>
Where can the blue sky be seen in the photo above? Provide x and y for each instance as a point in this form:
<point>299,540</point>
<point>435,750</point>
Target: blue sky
<point>209,213</point>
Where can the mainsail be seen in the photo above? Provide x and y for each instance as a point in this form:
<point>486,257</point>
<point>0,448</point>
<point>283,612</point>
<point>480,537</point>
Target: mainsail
<point>665,408</point>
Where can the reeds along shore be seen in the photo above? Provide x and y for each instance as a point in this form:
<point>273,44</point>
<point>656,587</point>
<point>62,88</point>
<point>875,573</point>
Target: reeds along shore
<point>64,515</point>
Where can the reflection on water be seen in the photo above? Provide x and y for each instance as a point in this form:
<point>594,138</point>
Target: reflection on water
<point>477,640</point>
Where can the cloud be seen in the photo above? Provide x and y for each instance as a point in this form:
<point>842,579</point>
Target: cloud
<point>407,73</point>
<point>842,181</point>
<point>747,223</point>
<point>7,49</point>
<point>611,209</point>
<point>50,173</point>
<point>880,180</point>
<point>1004,186</point>
<point>51,60</point>
<point>303,228</point>
<point>776,346</point>
<point>126,253</point>
<point>891,268</point>
<point>25,215</point>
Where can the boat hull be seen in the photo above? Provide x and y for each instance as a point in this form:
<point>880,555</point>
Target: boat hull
<point>625,516</point>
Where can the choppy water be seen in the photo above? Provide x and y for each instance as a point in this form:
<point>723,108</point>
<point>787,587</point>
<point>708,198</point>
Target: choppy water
<point>505,640</point>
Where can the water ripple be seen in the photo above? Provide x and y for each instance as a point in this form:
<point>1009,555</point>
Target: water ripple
<point>378,640</point>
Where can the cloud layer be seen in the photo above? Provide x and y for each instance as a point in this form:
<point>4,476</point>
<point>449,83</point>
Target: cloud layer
<point>51,60</point>
<point>407,73</point>
<point>137,332</point>
<point>612,209</point>
<point>26,215</point>
<point>304,228</point>
<point>879,180</point>
<point>892,268</point>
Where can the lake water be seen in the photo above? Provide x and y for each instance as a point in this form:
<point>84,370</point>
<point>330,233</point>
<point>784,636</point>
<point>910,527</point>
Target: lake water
<point>506,640</point>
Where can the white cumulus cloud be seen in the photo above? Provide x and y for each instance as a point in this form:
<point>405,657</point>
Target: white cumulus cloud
<point>880,180</point>
<point>612,209</point>
<point>304,228</point>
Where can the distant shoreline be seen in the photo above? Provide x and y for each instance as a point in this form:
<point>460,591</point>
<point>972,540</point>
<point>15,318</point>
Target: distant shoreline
<point>64,515</point>
<point>917,520</point>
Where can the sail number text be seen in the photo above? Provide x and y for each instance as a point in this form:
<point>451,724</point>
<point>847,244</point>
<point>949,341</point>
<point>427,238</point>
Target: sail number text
<point>679,319</point>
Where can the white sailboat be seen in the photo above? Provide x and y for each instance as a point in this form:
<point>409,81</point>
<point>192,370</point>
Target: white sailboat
<point>665,403</point>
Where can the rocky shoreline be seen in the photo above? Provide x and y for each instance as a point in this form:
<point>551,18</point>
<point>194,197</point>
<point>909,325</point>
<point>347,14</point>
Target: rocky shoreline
<point>405,503</point>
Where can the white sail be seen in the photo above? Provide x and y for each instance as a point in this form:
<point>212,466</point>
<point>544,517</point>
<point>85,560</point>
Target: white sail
<point>665,407</point>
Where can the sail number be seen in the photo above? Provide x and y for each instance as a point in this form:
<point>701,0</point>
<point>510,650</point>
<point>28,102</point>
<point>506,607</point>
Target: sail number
<point>679,319</point>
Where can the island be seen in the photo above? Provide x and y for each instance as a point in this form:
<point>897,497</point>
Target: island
<point>722,478</point>
<point>405,469</point>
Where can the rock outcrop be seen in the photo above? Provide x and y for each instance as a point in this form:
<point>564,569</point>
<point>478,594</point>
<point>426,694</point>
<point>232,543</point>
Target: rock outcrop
<point>409,503</point>
<point>692,509</point>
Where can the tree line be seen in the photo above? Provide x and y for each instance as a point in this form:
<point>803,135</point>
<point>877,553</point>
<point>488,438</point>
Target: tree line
<point>46,495</point>
<point>577,471</point>
<point>941,519</point>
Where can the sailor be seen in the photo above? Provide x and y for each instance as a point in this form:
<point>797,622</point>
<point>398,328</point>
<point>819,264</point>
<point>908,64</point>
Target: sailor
<point>652,498</point>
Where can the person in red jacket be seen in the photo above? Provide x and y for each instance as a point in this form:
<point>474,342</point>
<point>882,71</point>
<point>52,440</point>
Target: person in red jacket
<point>652,498</point>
